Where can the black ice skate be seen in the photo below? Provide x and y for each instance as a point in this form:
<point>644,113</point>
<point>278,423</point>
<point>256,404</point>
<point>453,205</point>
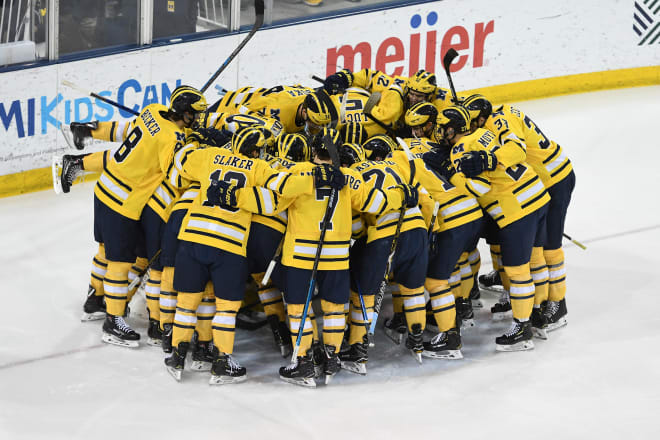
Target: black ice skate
<point>464,312</point>
<point>281,335</point>
<point>154,333</point>
<point>539,323</point>
<point>318,358</point>
<point>491,282</point>
<point>395,327</point>
<point>72,167</point>
<point>300,372</point>
<point>556,314</point>
<point>332,363</point>
<point>226,370</point>
<point>117,332</point>
<point>176,363</point>
<point>166,341</point>
<point>94,307</point>
<point>517,338</point>
<point>444,345</point>
<point>475,294</point>
<point>355,358</point>
<point>82,131</point>
<point>415,342</point>
<point>502,308</point>
<point>203,356</point>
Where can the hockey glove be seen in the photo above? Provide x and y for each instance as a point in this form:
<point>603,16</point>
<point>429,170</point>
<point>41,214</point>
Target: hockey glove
<point>328,175</point>
<point>410,195</point>
<point>338,82</point>
<point>439,163</point>
<point>209,136</point>
<point>82,131</point>
<point>222,193</point>
<point>474,163</point>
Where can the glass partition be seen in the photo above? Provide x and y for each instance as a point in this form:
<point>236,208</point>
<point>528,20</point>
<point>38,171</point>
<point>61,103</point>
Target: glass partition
<point>174,18</point>
<point>23,31</point>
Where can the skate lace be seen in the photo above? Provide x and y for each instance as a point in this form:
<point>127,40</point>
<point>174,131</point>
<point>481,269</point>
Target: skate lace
<point>515,326</point>
<point>291,366</point>
<point>504,297</point>
<point>121,324</point>
<point>73,171</point>
<point>553,306</point>
<point>232,363</point>
<point>437,338</point>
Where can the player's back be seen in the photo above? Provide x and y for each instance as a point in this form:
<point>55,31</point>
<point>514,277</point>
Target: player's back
<point>281,103</point>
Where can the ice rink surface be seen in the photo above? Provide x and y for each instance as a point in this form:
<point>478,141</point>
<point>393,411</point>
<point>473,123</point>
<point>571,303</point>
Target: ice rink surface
<point>599,377</point>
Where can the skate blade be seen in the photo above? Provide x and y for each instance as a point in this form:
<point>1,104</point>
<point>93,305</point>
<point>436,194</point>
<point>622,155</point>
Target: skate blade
<point>56,169</point>
<point>200,366</point>
<point>328,378</point>
<point>540,333</point>
<point>86,317</point>
<point>417,356</point>
<point>394,335</point>
<point>175,373</point>
<point>467,323</point>
<point>501,316</point>
<point>477,304</point>
<point>111,339</point>
<point>285,350</point>
<point>445,354</point>
<point>491,289</point>
<point>559,324</point>
<point>520,346</point>
<point>355,367</point>
<point>224,380</point>
<point>153,342</point>
<point>307,382</point>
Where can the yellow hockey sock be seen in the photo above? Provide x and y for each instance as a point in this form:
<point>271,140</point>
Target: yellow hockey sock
<point>312,318</point>
<point>167,298</point>
<point>414,306</point>
<point>455,282</point>
<point>93,162</point>
<point>357,323</point>
<point>115,287</point>
<point>466,275</point>
<point>334,323</point>
<point>397,301</point>
<point>224,324</point>
<point>99,269</point>
<point>152,292</point>
<point>474,258</point>
<point>539,272</point>
<point>442,303</point>
<point>185,319</point>
<point>556,274</point>
<point>270,298</point>
<point>295,317</point>
<point>135,270</point>
<point>205,314</point>
<point>521,291</point>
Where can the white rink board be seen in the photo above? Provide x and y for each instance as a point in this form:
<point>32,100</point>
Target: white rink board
<point>498,43</point>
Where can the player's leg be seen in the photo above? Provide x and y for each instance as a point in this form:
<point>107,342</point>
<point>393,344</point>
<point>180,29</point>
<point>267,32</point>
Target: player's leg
<point>334,291</point>
<point>94,307</point>
<point>204,352</point>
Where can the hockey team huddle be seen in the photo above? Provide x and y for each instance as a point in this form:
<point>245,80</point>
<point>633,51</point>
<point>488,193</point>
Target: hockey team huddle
<point>367,182</point>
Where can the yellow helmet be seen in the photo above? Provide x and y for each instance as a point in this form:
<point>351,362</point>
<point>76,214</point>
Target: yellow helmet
<point>186,104</point>
<point>380,145</point>
<point>350,154</point>
<point>420,114</point>
<point>247,140</point>
<point>454,116</point>
<point>318,145</point>
<point>478,105</point>
<point>421,82</point>
<point>293,146</point>
<point>354,133</point>
<point>318,113</point>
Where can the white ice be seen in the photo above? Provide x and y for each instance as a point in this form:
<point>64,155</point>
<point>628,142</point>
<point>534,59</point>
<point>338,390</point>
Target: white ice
<point>599,377</point>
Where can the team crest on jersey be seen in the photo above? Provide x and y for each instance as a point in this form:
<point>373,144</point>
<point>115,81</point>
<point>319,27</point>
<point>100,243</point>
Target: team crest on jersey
<point>646,21</point>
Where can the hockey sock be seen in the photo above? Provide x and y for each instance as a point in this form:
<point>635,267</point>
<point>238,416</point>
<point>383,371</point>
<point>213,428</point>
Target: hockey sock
<point>474,258</point>
<point>397,301</point>
<point>312,318</point>
<point>185,319</point>
<point>295,317</point>
<point>334,323</point>
<point>137,267</point>
<point>442,303</point>
<point>99,269</point>
<point>556,274</point>
<point>93,162</point>
<point>167,297</point>
<point>497,265</point>
<point>540,275</point>
<point>115,286</point>
<point>205,314</point>
<point>521,291</point>
<point>466,275</point>
<point>224,324</point>
<point>414,306</point>
<point>152,292</point>
<point>357,328</point>
<point>455,282</point>
<point>111,131</point>
<point>271,298</point>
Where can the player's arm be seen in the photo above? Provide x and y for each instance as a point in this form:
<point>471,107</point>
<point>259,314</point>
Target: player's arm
<point>112,131</point>
<point>511,150</point>
<point>371,199</point>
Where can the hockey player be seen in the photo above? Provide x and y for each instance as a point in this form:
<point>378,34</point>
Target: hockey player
<point>515,198</point>
<point>301,240</point>
<point>556,172</point>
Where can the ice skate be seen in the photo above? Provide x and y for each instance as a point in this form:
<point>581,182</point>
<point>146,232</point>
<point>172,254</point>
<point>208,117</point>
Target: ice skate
<point>94,307</point>
<point>166,341</point>
<point>226,370</point>
<point>491,282</point>
<point>332,363</point>
<point>176,363</point>
<point>247,319</point>
<point>395,327</point>
<point>318,358</point>
<point>556,314</point>
<point>154,334</point>
<point>355,358</point>
<point>431,323</point>
<point>117,332</point>
<point>539,323</point>
<point>300,372</point>
<point>465,312</point>
<point>203,355</point>
<point>517,338</point>
<point>502,308</point>
<point>281,335</point>
<point>70,167</point>
<point>444,345</point>
<point>415,342</point>
<point>82,131</point>
<point>475,295</point>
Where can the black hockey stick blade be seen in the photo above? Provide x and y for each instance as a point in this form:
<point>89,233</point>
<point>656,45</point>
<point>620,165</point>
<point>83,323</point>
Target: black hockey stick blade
<point>258,22</point>
<point>449,57</point>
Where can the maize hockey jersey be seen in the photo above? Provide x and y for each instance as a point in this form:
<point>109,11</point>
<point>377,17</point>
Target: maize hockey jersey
<point>133,171</point>
<point>507,194</point>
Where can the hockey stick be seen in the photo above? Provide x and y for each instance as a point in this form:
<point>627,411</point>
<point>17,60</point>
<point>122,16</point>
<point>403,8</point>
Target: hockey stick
<point>378,301</point>
<point>575,242</point>
<point>329,210</point>
<point>446,62</point>
<point>364,313</point>
<point>99,97</point>
<point>138,279</point>
<point>273,262</point>
<point>434,217</point>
